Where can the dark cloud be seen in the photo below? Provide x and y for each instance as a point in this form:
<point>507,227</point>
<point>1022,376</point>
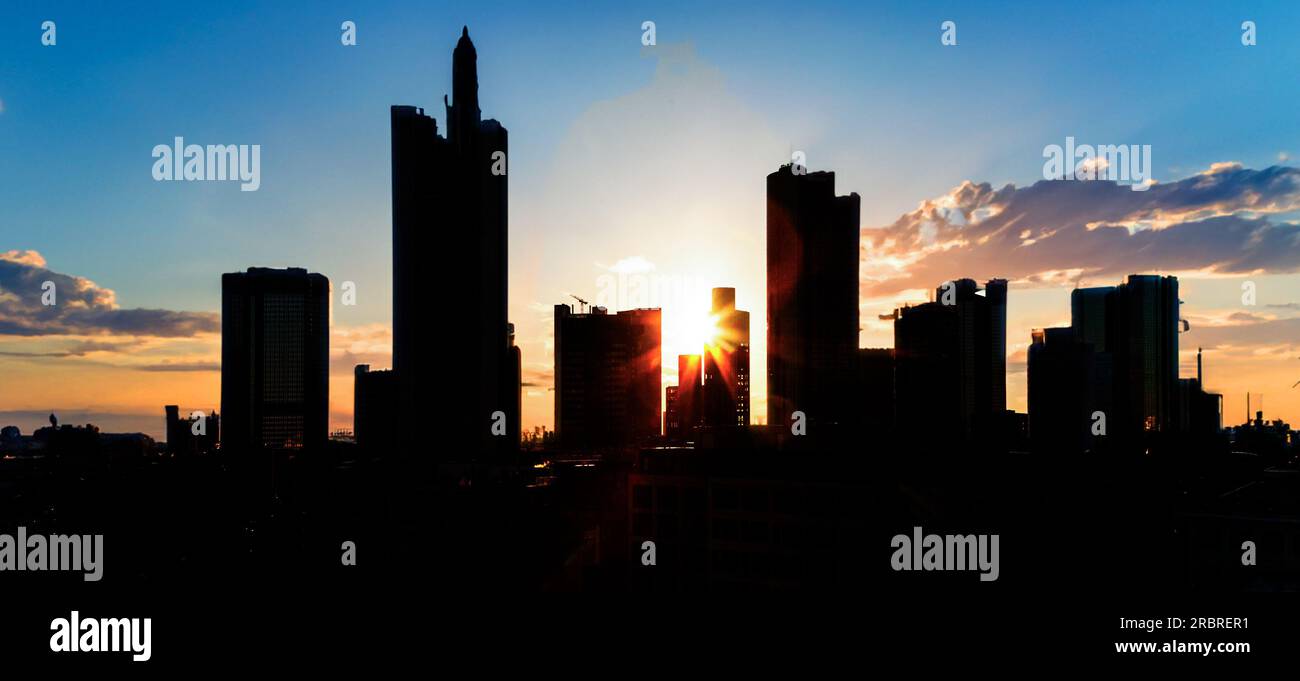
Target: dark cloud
<point>81,307</point>
<point>1058,231</point>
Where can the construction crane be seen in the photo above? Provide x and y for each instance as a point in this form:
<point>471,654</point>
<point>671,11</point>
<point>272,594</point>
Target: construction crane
<point>584,303</point>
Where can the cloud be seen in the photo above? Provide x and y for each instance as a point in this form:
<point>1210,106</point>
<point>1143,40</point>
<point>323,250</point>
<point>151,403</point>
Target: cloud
<point>1260,332</point>
<point>81,306</point>
<point>635,264</point>
<point>180,366</point>
<point>1056,232</point>
<point>78,349</point>
<point>538,375</point>
<point>367,344</point>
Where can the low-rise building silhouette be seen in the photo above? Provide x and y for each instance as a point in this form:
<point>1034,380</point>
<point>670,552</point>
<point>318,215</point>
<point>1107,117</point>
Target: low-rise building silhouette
<point>196,433</point>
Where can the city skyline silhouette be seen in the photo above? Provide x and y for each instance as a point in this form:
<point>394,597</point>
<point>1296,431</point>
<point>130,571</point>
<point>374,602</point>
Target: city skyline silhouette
<point>551,258</point>
<point>659,323</point>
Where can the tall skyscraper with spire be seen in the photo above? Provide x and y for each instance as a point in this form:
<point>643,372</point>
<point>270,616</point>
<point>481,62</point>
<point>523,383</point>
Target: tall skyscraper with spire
<point>456,362</point>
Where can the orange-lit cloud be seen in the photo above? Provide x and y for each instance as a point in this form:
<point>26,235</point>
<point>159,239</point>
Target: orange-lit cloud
<point>1056,232</point>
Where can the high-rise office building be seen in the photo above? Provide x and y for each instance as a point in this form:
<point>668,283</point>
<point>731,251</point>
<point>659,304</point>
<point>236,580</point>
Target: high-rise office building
<point>689,402</point>
<point>1061,369</point>
<point>726,364</point>
<point>951,360</point>
<point>874,390</point>
<point>513,386</point>
<point>812,297</point>
<point>374,409</point>
<point>274,359</point>
<point>1092,317</point>
<point>926,369</point>
<point>1148,375</point>
<point>982,331</point>
<point>1133,329</point>
<point>450,203</point>
<point>672,419</point>
<point>607,376</point>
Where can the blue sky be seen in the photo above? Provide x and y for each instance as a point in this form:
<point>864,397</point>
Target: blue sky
<point>861,84</point>
<point>864,89</point>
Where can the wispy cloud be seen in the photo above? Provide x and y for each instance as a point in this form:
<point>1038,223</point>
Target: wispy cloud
<point>180,366</point>
<point>367,344</point>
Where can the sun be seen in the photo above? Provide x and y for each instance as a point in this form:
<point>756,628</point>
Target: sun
<point>688,332</point>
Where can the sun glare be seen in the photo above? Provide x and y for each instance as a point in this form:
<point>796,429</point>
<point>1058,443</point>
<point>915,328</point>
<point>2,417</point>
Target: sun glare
<point>687,333</point>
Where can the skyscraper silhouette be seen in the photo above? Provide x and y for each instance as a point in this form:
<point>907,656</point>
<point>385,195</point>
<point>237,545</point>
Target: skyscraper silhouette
<point>951,360</point>
<point>374,407</point>
<point>688,395</point>
<point>982,330</point>
<point>1148,315</point>
<point>607,376</point>
<point>672,417</point>
<point>1061,366</point>
<point>874,390</point>
<point>1093,319</point>
<point>812,297</point>
<point>274,359</point>
<point>1133,328</point>
<point>450,229</point>
<point>726,364</point>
